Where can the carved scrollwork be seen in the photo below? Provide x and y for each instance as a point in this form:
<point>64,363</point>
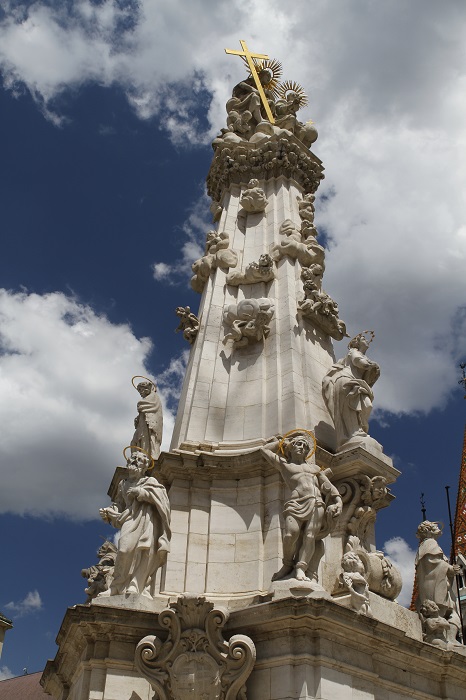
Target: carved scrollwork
<point>196,662</point>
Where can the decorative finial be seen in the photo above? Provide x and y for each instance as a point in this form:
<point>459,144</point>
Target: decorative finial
<point>423,507</point>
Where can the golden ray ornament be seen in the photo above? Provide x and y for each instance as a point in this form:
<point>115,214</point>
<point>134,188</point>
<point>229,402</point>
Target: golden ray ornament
<point>291,86</point>
<point>249,57</point>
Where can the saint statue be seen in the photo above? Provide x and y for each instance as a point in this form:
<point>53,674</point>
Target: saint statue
<point>312,510</point>
<point>347,391</point>
<point>142,514</point>
<point>436,576</point>
<point>149,421</point>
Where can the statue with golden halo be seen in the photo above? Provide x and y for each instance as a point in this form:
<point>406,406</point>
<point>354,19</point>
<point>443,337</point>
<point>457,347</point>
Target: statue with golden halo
<point>141,512</point>
<point>312,510</point>
<point>149,421</point>
<point>347,390</point>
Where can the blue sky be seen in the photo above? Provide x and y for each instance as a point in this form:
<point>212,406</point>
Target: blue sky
<point>107,113</point>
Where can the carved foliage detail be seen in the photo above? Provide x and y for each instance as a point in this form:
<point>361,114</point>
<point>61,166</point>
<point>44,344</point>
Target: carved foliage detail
<point>196,662</point>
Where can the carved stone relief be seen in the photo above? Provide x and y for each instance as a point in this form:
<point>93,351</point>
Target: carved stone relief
<point>217,254</point>
<point>249,321</point>
<point>237,163</point>
<point>189,323</point>
<point>362,497</point>
<point>253,199</point>
<point>293,246</point>
<point>195,662</point>
<point>320,308</point>
<point>261,271</point>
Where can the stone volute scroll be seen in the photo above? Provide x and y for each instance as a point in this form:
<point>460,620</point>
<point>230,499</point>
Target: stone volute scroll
<point>141,512</point>
<point>189,323</point>
<point>362,497</point>
<point>217,253</point>
<point>148,423</point>
<point>313,509</point>
<point>248,321</point>
<point>347,391</point>
<point>260,271</point>
<point>195,661</point>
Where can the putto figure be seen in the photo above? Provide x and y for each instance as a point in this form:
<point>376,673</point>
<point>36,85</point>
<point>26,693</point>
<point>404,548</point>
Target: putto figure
<point>312,510</point>
<point>100,575</point>
<point>436,576</point>
<point>189,323</point>
<point>149,421</point>
<point>142,514</point>
<point>261,271</point>
<point>347,390</point>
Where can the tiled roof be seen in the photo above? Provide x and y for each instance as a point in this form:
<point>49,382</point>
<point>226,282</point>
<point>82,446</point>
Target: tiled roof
<point>23,688</point>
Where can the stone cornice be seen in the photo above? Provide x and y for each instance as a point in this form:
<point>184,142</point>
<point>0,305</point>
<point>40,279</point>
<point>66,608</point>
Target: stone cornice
<point>284,155</point>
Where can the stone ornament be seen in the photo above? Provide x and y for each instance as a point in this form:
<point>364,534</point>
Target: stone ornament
<point>313,509</point>
<point>293,246</point>
<point>306,210</point>
<point>435,628</point>
<point>253,199</point>
<point>362,497</point>
<point>195,662</point>
<point>248,320</point>
<point>100,575</point>
<point>347,391</point>
<point>277,156</point>
<point>149,421</point>
<point>436,578</point>
<point>261,271</point>
<point>142,514</point>
<point>189,323</point>
<point>216,254</point>
<point>354,580</point>
<point>247,119</point>
<point>319,307</point>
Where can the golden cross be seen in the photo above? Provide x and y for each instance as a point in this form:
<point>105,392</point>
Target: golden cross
<point>252,67</point>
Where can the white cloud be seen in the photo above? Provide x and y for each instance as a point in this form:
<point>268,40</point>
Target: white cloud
<point>194,230</point>
<point>5,673</point>
<point>32,602</point>
<point>67,404</point>
<point>387,83</point>
<point>403,557</point>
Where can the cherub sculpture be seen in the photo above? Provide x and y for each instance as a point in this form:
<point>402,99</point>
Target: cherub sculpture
<point>353,578</point>
<point>313,508</point>
<point>261,271</point>
<point>189,323</point>
<point>217,254</point>
<point>142,514</point>
<point>249,321</point>
<point>294,246</point>
<point>253,199</point>
<point>100,575</point>
<point>321,309</point>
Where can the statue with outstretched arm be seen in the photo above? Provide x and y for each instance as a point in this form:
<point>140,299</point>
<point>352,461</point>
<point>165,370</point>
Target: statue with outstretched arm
<point>312,510</point>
